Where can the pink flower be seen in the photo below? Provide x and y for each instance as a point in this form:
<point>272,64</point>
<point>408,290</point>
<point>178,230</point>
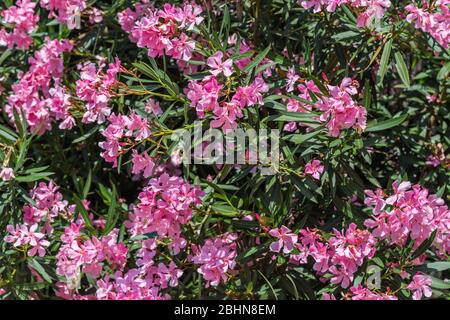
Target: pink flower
<point>411,213</point>
<point>286,239</point>
<point>7,174</point>
<point>217,66</point>
<point>292,78</point>
<point>161,30</point>
<point>142,163</point>
<point>22,235</point>
<point>225,116</point>
<point>95,15</point>
<point>370,9</point>
<point>164,206</point>
<point>314,168</point>
<point>94,89</point>
<point>435,23</point>
<point>65,11</point>
<point>153,106</point>
<point>215,258</point>
<point>340,111</point>
<point>23,21</point>
<point>39,93</point>
<point>420,286</point>
<point>361,293</point>
<point>204,94</point>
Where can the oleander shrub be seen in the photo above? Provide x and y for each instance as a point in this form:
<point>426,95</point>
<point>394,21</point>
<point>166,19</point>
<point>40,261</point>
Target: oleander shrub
<point>97,200</point>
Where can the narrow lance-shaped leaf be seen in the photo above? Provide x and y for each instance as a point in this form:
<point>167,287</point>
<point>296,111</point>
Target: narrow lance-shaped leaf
<point>402,69</point>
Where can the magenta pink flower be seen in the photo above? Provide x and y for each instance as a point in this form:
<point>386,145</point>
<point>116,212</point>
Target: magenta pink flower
<point>204,94</point>
<point>373,9</point>
<point>22,235</point>
<point>340,111</point>
<point>361,293</point>
<point>95,15</point>
<point>39,93</point>
<point>217,66</point>
<point>436,23</point>
<point>215,258</point>
<point>165,205</point>
<point>161,30</point>
<point>152,106</point>
<point>65,11</point>
<point>314,168</point>
<point>410,212</point>
<point>94,89</point>
<point>286,239</point>
<point>23,20</point>
<point>142,163</point>
<point>420,286</point>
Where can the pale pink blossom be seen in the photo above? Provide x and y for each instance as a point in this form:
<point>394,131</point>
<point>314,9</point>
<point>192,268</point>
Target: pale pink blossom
<point>420,286</point>
<point>218,67</point>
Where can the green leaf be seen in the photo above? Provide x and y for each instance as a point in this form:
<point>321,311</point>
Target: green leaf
<point>86,135</point>
<point>144,236</point>
<point>439,284</point>
<point>402,69</point>
<point>34,177</point>
<point>293,116</point>
<point>384,60</point>
<point>40,269</point>
<point>256,61</point>
<point>299,138</point>
<point>387,124</point>
<point>82,210</point>
<point>87,185</point>
<point>439,266</point>
<point>443,73</point>
<point>8,134</point>
<point>113,212</point>
<point>252,253</point>
<point>242,224</point>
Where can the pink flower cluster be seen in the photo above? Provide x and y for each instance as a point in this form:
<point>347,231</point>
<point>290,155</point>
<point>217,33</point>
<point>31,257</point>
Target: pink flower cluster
<point>119,127</point>
<point>162,31</point>
<point>373,9</point>
<point>216,257</point>
<point>94,89</point>
<point>340,111</point>
<point>340,256</point>
<point>204,96</point>
<point>65,11</point>
<point>22,235</point>
<point>361,293</point>
<point>39,94</point>
<point>133,285</point>
<point>409,212</point>
<point>434,20</point>
<point>22,19</point>
<point>164,206</point>
<point>48,205</point>
<point>78,254</point>
<point>143,282</point>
